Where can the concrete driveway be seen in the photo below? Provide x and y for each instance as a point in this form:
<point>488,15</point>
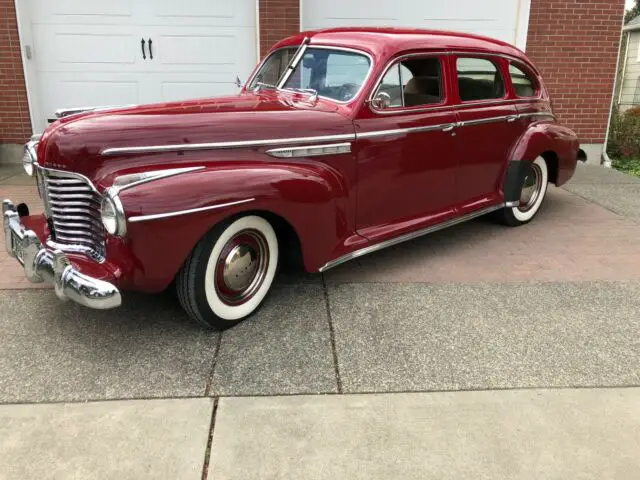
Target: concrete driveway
<point>544,319</point>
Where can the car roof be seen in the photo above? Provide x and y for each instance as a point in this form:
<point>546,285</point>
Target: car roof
<point>382,41</point>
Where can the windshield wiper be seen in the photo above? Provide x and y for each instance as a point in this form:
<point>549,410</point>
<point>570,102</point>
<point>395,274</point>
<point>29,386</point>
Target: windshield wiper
<point>294,62</point>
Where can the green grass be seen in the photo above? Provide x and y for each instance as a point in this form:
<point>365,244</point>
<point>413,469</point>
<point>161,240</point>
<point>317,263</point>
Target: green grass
<point>627,165</point>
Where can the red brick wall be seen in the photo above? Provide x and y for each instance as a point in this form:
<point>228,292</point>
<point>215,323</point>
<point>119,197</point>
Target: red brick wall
<point>278,19</point>
<point>15,124</point>
<point>575,43</point>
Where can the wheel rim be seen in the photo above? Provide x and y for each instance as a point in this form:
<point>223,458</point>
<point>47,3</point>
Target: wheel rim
<point>241,267</point>
<point>531,188</point>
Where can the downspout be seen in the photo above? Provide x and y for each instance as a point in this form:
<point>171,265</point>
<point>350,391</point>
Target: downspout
<point>606,161</point>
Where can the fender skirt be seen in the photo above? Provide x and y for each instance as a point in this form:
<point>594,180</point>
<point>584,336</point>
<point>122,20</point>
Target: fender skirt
<point>516,173</point>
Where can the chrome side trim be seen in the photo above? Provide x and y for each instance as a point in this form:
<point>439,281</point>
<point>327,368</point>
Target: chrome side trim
<point>224,145</point>
<point>408,236</point>
<point>401,131</point>
<point>310,150</point>
<point>538,114</point>
<point>512,204</point>
<point>482,121</point>
<point>120,183</point>
<point>157,216</point>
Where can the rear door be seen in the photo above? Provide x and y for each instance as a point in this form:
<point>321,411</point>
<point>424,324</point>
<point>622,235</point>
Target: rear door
<point>488,129</point>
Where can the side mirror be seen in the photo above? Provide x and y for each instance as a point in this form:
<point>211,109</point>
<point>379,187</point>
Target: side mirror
<point>381,101</point>
<point>238,82</point>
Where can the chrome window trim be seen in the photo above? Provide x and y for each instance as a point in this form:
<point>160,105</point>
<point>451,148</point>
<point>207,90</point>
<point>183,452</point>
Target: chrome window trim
<point>326,47</point>
<point>157,216</point>
<point>461,105</point>
<point>344,148</point>
<point>225,145</point>
<point>408,236</point>
<point>404,109</point>
<point>294,62</point>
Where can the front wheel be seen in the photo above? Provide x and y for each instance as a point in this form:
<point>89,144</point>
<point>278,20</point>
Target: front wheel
<point>532,193</point>
<point>229,272</point>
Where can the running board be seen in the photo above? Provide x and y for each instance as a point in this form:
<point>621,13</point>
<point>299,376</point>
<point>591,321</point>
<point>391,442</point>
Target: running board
<point>409,236</point>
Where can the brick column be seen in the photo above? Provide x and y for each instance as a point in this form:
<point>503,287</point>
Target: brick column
<point>278,19</point>
<point>575,43</point>
<point>15,124</point>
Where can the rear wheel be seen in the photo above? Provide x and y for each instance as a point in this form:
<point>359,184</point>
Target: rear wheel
<point>532,193</point>
<point>229,272</point>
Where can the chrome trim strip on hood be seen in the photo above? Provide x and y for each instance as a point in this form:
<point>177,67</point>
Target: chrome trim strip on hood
<point>157,216</point>
<point>224,145</point>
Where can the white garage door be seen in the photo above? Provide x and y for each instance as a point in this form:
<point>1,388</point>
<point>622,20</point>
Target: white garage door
<point>89,52</point>
<point>505,20</point>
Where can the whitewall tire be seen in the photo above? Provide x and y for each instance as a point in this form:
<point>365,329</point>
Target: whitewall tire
<point>532,193</point>
<point>229,272</point>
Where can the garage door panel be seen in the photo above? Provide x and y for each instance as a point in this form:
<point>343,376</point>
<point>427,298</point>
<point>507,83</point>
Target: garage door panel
<point>82,48</point>
<point>66,91</point>
<point>494,18</point>
<point>88,52</point>
<point>64,11</point>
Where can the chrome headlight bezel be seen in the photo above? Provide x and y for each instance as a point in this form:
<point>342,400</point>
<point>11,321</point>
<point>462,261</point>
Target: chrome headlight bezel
<point>30,157</point>
<point>112,213</point>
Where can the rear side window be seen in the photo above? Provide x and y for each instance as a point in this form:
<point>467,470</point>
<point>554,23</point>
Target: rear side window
<point>523,83</point>
<point>479,79</point>
<point>413,82</point>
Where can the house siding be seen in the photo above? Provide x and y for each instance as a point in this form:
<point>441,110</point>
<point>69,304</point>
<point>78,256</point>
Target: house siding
<point>574,43</point>
<point>631,72</point>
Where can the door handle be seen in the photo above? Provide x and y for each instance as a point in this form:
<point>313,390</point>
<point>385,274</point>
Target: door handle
<point>150,49</point>
<point>512,118</point>
<point>144,56</point>
<point>448,128</point>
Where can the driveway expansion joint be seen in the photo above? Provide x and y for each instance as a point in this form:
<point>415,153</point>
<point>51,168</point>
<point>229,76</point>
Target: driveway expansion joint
<point>332,335</point>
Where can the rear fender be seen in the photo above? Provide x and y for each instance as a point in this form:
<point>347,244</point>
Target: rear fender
<point>544,137</point>
<point>311,196</point>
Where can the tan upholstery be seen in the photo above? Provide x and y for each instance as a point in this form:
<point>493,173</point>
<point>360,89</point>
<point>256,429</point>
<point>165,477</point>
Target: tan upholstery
<point>422,91</point>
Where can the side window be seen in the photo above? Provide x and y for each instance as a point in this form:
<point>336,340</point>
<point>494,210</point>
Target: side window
<point>422,81</point>
<point>523,84</point>
<point>391,86</point>
<point>413,82</point>
<point>479,79</point>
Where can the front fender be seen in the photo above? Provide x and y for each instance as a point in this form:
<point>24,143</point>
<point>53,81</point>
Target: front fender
<point>547,136</point>
<point>312,197</point>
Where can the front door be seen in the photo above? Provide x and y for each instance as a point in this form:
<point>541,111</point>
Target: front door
<point>406,150</point>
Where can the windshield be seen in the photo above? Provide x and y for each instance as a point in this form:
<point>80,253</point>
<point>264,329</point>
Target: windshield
<point>335,74</point>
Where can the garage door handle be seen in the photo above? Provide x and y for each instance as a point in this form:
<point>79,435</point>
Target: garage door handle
<point>150,49</point>
<point>144,55</point>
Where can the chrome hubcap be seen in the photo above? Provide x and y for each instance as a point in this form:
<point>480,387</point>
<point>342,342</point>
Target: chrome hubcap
<point>531,188</point>
<point>241,267</point>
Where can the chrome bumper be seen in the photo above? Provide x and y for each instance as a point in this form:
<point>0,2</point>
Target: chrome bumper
<point>53,267</point>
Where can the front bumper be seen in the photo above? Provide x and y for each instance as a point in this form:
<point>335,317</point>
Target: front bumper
<point>53,267</point>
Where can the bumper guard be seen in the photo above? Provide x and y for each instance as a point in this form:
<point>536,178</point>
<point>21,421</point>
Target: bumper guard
<point>53,267</point>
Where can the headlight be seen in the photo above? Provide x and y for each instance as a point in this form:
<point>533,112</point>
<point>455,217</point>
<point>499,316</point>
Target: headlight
<point>27,163</point>
<point>112,214</point>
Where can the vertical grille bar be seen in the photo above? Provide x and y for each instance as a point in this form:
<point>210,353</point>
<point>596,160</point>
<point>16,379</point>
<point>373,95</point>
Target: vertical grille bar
<point>72,205</point>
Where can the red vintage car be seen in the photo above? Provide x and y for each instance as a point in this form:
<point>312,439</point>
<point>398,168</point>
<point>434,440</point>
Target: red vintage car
<point>342,142</point>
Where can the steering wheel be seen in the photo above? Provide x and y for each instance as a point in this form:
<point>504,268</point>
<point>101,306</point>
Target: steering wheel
<point>347,91</point>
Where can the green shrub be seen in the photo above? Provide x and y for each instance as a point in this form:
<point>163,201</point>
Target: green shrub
<point>624,138</point>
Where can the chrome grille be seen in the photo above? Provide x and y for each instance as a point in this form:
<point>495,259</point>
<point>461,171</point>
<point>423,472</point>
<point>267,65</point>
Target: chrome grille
<point>72,205</point>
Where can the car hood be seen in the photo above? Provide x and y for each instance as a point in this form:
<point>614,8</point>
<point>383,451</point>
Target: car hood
<point>76,142</point>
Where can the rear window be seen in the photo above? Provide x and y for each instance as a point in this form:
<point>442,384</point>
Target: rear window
<point>479,79</point>
<point>523,84</point>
